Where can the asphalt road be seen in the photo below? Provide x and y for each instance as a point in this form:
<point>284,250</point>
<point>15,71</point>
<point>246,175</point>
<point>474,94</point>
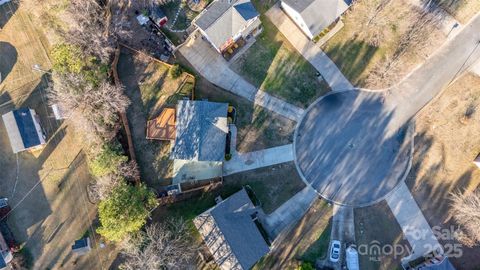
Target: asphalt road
<point>354,147</point>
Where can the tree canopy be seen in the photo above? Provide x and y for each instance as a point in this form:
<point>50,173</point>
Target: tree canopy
<point>125,211</point>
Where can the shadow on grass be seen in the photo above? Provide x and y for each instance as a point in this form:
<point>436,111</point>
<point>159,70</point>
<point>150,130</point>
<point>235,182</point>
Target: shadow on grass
<point>152,158</point>
<point>353,58</point>
<point>273,65</point>
<point>318,250</point>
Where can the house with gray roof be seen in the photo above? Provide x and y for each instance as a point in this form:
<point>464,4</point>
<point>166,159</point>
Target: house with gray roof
<point>313,16</point>
<point>23,130</point>
<point>200,139</point>
<point>224,22</point>
<point>230,233</point>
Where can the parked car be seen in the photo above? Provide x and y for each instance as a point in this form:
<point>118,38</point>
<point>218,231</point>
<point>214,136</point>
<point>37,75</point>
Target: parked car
<point>335,251</point>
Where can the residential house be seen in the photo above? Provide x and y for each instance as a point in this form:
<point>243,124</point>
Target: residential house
<point>24,130</point>
<point>313,16</point>
<point>225,22</point>
<point>200,140</point>
<point>230,232</point>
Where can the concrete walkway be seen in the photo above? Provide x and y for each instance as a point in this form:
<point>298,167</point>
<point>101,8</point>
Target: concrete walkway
<point>330,72</point>
<point>414,225</point>
<point>475,69</point>
<point>289,212</point>
<point>211,65</point>
<point>253,160</point>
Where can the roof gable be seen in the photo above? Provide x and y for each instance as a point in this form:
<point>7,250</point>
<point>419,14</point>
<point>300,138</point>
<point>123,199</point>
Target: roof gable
<point>319,14</point>
<point>201,131</point>
<point>228,229</point>
<point>223,19</point>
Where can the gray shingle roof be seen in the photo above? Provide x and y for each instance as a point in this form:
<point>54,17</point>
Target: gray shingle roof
<point>223,19</point>
<point>319,14</point>
<point>230,233</point>
<point>201,131</point>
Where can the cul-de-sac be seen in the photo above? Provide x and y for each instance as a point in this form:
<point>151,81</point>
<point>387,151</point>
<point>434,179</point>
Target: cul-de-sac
<point>240,134</point>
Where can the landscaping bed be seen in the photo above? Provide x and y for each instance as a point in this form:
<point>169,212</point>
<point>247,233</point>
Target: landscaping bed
<point>151,88</point>
<point>273,65</point>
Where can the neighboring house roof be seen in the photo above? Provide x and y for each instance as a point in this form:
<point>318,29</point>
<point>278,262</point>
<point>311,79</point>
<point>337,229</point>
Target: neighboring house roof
<point>201,131</point>
<point>230,233</point>
<point>23,129</point>
<point>163,126</point>
<point>319,14</point>
<point>223,19</point>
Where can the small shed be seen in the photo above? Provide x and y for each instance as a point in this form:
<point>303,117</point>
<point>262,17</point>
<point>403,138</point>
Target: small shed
<point>162,127</point>
<point>24,130</point>
<point>159,17</point>
<point>81,246</point>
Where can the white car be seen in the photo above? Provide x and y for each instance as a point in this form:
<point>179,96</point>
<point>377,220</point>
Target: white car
<point>335,251</point>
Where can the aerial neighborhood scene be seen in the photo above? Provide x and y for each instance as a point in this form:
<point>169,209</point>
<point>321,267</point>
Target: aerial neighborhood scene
<point>240,134</point>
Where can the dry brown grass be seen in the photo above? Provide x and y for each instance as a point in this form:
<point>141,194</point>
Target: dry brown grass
<point>357,56</point>
<point>446,144</point>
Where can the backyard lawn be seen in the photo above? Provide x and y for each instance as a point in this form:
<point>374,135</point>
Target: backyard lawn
<point>273,65</point>
<point>150,88</point>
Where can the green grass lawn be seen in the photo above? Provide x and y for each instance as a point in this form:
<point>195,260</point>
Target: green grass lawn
<point>319,248</point>
<point>273,65</point>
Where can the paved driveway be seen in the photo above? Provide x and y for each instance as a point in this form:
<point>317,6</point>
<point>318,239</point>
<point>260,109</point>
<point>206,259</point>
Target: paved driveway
<point>330,72</point>
<point>353,147</point>
<point>211,65</point>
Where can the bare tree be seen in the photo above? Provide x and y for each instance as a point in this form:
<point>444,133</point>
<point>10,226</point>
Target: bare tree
<point>376,21</point>
<point>162,246</point>
<point>94,109</point>
<point>466,209</point>
<point>89,29</point>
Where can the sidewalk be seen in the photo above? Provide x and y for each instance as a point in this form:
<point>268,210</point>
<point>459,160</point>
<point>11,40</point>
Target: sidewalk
<point>414,225</point>
<point>253,160</point>
<point>211,65</point>
<point>289,212</point>
<point>330,72</point>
